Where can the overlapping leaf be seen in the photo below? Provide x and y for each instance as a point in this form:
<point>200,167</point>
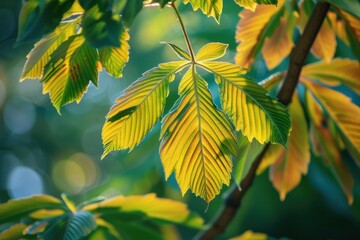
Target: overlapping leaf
<point>252,111</point>
<point>203,161</point>
<point>136,112</point>
<point>252,30</point>
<point>324,46</point>
<point>67,74</point>
<point>286,171</point>
<point>251,4</point>
<point>211,8</point>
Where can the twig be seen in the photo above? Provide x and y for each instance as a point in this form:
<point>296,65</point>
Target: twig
<point>233,200</point>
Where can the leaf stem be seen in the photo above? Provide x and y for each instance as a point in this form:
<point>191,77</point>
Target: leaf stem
<point>233,200</point>
<point>186,36</point>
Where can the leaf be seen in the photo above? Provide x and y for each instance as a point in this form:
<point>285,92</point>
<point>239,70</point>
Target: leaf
<point>351,6</point>
<point>345,114</point>
<point>181,53</point>
<point>131,9</point>
<point>211,8</point>
<point>18,208</point>
<point>14,232</point>
<point>249,235</point>
<point>335,72</point>
<point>67,74</point>
<point>253,112</point>
<point>162,2</point>
<point>330,152</point>
<point>353,32</point>
<point>324,46</point>
<point>80,224</point>
<point>40,54</point>
<point>151,206</point>
<point>211,51</point>
<point>279,45</point>
<point>339,27</point>
<point>102,27</point>
<point>35,13</point>
<point>285,173</point>
<point>203,161</point>
<point>138,109</point>
<point>113,59</point>
<point>248,4</point>
<point>252,30</point>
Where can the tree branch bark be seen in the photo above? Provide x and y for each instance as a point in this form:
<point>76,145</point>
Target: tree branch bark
<point>298,55</point>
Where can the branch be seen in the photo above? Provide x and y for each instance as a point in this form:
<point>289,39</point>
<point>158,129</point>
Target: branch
<point>233,200</point>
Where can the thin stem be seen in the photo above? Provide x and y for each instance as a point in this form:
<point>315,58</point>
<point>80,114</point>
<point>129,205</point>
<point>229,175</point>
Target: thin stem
<point>233,200</point>
<point>187,39</point>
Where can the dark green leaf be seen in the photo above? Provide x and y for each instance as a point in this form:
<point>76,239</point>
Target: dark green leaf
<point>80,224</point>
<point>272,2</point>
<point>131,9</point>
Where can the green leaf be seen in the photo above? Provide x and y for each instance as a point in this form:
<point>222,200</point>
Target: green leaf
<point>131,9</point>
<point>67,74</point>
<point>253,112</point>
<point>203,161</point>
<point>35,13</point>
<point>149,207</point>
<point>136,112</point>
<point>211,8</point>
<point>162,2</point>
<point>40,54</point>
<point>18,208</point>
<point>211,51</point>
<point>80,224</point>
<point>14,232</point>
<point>249,235</point>
<point>181,53</point>
<point>269,2</point>
<point>351,6</point>
<point>102,27</point>
<point>113,59</point>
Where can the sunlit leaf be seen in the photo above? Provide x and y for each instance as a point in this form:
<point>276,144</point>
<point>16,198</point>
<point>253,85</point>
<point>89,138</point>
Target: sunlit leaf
<point>138,109</point>
<point>345,114</point>
<point>249,4</point>
<point>211,51</point>
<point>180,52</point>
<point>35,13</point>
<point>286,171</point>
<point>150,206</point>
<point>40,54</point>
<point>113,59</point>
<point>14,232</point>
<point>67,74</point>
<point>324,46</point>
<point>253,112</point>
<point>16,209</point>
<point>203,161</point>
<point>212,8</point>
<point>351,6</point>
<point>279,45</point>
<point>335,72</point>
<point>338,25</point>
<point>249,235</point>
<point>252,30</point>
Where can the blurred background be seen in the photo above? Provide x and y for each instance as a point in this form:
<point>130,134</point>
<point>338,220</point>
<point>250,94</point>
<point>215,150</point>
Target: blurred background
<point>42,152</point>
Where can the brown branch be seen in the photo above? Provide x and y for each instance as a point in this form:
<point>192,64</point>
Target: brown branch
<point>233,200</point>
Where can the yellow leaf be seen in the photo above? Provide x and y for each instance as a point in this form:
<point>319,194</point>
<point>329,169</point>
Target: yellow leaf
<point>353,22</point>
<point>324,45</point>
<point>249,32</point>
<point>249,235</point>
<point>197,140</point>
<point>278,46</point>
<point>211,51</point>
<point>136,112</point>
<point>339,27</point>
<point>286,171</point>
<point>211,8</point>
<point>249,4</point>
<point>335,72</point>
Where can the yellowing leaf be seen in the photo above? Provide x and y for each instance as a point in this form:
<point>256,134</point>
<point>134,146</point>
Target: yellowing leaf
<point>324,45</point>
<point>211,51</point>
<point>40,54</point>
<point>253,112</point>
<point>67,74</point>
<point>136,112</point>
<point>197,140</point>
<point>249,235</point>
<point>149,205</point>
<point>353,22</point>
<point>339,26</point>
<point>181,53</point>
<point>278,46</point>
<point>250,32</point>
<point>335,72</point>
<point>113,59</point>
<point>249,4</point>
<point>286,171</point>
<point>212,8</point>
<point>346,115</point>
